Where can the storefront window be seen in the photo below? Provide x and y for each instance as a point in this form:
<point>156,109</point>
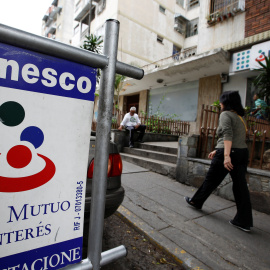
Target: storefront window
<point>178,101</point>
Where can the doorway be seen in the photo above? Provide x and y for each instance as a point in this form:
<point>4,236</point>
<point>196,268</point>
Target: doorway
<point>133,101</point>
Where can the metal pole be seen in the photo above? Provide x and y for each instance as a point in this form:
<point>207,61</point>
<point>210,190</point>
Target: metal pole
<point>105,108</point>
<point>25,40</point>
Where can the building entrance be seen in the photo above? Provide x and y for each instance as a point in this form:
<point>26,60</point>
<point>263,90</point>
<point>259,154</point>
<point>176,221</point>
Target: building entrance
<point>133,101</point>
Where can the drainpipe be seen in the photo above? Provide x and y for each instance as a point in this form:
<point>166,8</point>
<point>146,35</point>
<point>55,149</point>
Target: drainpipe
<point>90,16</point>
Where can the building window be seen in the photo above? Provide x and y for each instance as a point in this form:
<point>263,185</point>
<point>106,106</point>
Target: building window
<point>176,49</point>
<point>192,4</point>
<point>176,52</point>
<point>162,9</point>
<point>160,39</point>
<point>192,28</point>
<point>180,3</point>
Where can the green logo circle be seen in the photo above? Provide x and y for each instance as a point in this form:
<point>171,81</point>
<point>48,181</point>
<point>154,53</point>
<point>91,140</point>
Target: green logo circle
<point>11,113</point>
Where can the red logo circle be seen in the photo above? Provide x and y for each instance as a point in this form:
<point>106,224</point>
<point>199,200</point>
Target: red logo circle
<point>19,156</point>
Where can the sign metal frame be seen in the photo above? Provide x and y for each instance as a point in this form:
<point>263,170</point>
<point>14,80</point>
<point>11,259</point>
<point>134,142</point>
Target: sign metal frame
<point>109,67</point>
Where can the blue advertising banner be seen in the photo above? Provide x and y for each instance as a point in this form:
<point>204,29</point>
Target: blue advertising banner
<point>30,71</point>
<point>46,107</point>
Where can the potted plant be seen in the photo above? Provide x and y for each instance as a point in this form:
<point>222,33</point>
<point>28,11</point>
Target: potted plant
<point>210,19</point>
<point>218,18</point>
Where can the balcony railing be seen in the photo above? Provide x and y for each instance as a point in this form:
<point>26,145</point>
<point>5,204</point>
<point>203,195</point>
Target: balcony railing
<point>178,57</point>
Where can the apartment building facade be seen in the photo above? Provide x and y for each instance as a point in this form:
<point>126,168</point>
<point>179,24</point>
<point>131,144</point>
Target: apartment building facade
<point>191,50</point>
<point>57,22</point>
<point>219,56</point>
<point>146,27</point>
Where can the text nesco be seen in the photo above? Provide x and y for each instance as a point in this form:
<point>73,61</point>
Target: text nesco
<point>31,75</point>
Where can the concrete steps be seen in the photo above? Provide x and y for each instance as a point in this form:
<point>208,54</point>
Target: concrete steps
<point>157,158</point>
<point>157,148</point>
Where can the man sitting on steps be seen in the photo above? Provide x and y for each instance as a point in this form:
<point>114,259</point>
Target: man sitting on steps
<point>132,122</point>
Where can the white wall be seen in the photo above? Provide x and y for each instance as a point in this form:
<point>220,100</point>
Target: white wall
<point>222,33</point>
<point>140,24</point>
<point>237,83</point>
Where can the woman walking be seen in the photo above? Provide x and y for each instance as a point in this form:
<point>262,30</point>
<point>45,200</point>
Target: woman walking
<point>230,156</point>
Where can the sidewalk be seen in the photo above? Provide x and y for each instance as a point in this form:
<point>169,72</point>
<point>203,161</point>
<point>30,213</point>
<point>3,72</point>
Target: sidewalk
<point>198,239</point>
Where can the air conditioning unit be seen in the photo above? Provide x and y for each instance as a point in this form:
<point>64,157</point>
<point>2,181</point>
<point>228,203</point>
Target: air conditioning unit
<point>179,28</point>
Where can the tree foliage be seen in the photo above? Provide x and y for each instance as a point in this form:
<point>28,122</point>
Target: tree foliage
<point>262,81</point>
<point>93,44</point>
<point>118,85</point>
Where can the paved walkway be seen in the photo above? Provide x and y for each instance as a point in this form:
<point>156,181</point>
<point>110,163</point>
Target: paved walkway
<point>198,239</point>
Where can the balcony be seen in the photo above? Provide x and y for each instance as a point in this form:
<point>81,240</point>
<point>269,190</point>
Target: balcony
<point>83,9</point>
<point>51,29</point>
<point>55,3</point>
<point>48,22</point>
<point>172,60</point>
<point>226,12</point>
<point>51,14</point>
<point>54,12</point>
<point>45,17</point>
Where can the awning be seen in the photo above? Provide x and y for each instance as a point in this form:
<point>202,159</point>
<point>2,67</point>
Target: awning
<point>181,17</point>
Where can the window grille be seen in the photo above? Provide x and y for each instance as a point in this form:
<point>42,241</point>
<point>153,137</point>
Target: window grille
<point>192,28</point>
<point>192,4</point>
<point>180,26</point>
<point>226,5</point>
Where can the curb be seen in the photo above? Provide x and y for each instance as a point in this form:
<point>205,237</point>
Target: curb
<point>183,258</point>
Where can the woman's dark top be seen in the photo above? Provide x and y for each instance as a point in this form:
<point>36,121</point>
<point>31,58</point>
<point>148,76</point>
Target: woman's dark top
<point>231,128</point>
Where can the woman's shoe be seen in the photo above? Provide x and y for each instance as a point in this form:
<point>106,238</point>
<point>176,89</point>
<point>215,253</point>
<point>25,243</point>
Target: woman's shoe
<point>243,228</point>
<point>188,200</point>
